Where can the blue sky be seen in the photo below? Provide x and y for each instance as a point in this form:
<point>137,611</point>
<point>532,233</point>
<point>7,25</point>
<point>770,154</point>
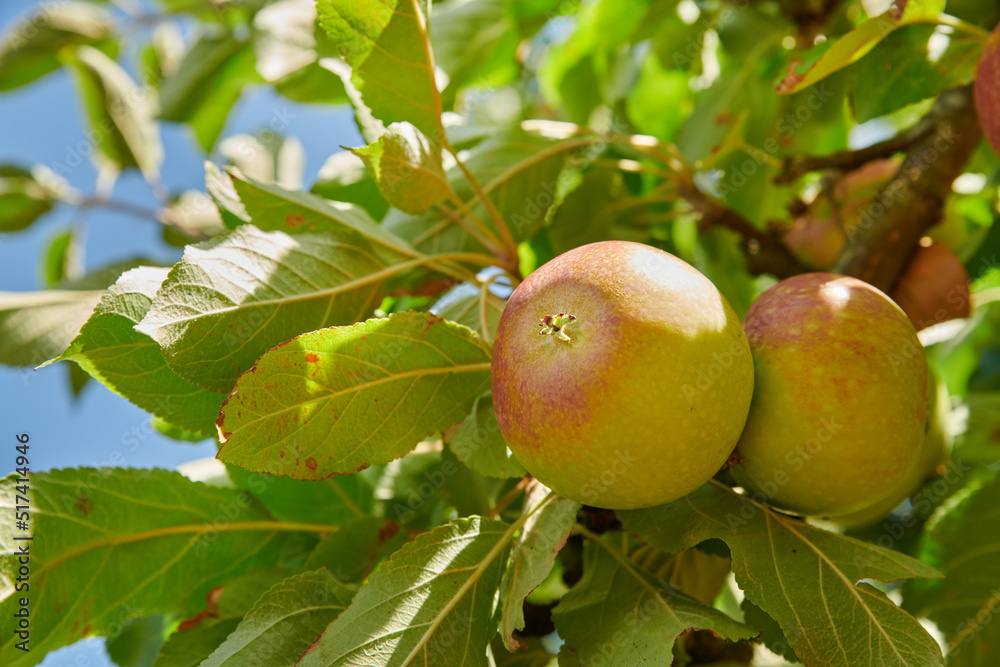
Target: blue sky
<point>40,124</point>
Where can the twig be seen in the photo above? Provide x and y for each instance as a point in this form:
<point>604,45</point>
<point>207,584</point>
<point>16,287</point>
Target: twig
<point>766,252</point>
<point>799,165</point>
<point>509,497</point>
<point>118,206</point>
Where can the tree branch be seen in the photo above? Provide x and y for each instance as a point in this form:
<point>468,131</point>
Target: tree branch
<point>887,233</point>
<point>766,252</point>
<point>799,165</point>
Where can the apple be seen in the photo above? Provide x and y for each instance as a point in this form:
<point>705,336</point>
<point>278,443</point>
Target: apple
<point>934,287</point>
<point>840,398</point>
<point>621,376</point>
<point>933,452</point>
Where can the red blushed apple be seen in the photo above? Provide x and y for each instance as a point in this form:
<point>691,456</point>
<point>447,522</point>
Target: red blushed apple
<point>621,377</point>
<point>840,396</point>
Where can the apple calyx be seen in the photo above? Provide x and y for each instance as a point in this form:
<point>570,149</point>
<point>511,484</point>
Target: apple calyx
<point>553,325</point>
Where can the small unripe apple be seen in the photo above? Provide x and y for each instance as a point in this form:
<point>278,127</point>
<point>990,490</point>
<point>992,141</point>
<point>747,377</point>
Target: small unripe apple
<point>933,452</point>
<point>621,376</point>
<point>934,287</point>
<point>840,398</point>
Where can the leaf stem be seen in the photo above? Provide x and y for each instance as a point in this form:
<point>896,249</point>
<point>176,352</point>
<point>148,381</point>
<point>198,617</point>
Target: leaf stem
<point>508,240</point>
<point>509,497</point>
<point>478,229</point>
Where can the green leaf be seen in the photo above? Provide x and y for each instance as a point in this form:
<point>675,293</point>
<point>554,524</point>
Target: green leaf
<point>854,45</point>
<point>188,648</point>
<point>22,199</point>
<point>234,297</point>
<point>621,614</point>
<point>474,42</point>
<point>62,259</point>
<point>285,621</point>
<point>357,548</point>
<point>479,444</point>
<point>435,598</point>
<point>267,158</point>
<point>594,212</point>
<point>219,186</point>
<point>113,544</point>
<point>37,326</point>
<point>463,304</point>
<point>335,500</point>
<point>206,85</point>
<point>804,577</point>
<point>900,70</point>
<point>770,635</point>
<point>30,49</point>
<point>138,642</point>
<point>961,540</point>
<point>119,113</point>
<point>343,398</point>
<point>519,172</point>
<point>386,44</point>
<point>533,555</point>
<point>407,168</point>
<point>344,178</point>
<point>130,363</point>
<point>271,207</point>
<point>193,216</point>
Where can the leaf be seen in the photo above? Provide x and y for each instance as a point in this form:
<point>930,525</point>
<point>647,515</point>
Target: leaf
<point>854,45</point>
<point>343,398</point>
<point>62,259</point>
<point>206,85</point>
<point>271,207</point>
<point>357,548</point>
<point>124,543</point>
<point>336,500</point>
<point>622,615</point>
<point>193,216</point>
<point>902,69</point>
<point>386,44</point>
<point>532,654</point>
<point>804,577</point>
<point>234,297</point>
<point>130,363</point>
<point>37,326</point>
<point>479,444</point>
<point>22,199</point>
<point>188,648</point>
<point>267,158</point>
<point>284,622</point>
<point>344,178</point>
<point>961,541</point>
<point>462,304</point>
<point>283,39</point>
<point>987,90</point>
<point>534,554</point>
<point>138,642</point>
<point>520,173</point>
<point>219,186</point>
<point>30,49</point>
<point>474,42</point>
<point>119,113</point>
<point>407,168</point>
<point>433,599</point>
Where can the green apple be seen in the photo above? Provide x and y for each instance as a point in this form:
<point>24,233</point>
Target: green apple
<point>933,452</point>
<point>621,376</point>
<point>840,399</point>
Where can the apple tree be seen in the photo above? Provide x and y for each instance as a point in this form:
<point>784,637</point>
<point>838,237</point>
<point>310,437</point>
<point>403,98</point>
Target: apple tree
<point>336,337</point>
